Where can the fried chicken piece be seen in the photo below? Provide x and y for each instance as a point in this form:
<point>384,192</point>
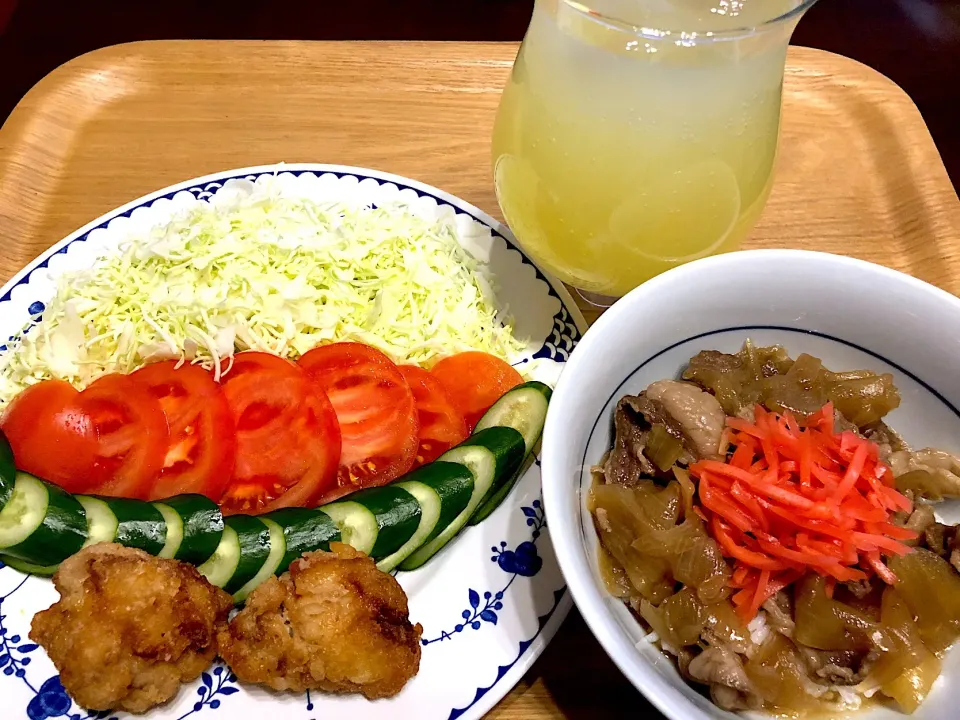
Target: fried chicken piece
<point>334,622</point>
<point>129,628</point>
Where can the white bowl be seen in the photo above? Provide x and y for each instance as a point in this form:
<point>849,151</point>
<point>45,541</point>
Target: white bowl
<point>850,313</point>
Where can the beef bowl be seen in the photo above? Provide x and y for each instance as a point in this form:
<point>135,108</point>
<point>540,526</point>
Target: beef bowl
<point>750,471</point>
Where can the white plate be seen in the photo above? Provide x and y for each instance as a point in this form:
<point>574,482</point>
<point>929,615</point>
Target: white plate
<point>488,604</point>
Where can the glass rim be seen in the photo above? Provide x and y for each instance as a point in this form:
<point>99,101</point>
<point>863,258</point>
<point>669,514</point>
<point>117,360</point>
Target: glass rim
<point>687,37</point>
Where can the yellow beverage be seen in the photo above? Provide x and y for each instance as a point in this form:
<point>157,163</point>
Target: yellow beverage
<point>621,151</point>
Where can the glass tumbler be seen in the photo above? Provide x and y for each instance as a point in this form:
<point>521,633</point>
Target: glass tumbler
<point>636,135</point>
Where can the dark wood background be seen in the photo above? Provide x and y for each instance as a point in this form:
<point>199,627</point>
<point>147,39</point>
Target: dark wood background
<point>914,42</point>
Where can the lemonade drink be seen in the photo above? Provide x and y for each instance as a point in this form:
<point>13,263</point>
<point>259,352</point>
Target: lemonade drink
<point>624,147</point>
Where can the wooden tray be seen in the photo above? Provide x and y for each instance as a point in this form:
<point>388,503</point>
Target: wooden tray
<point>858,174</point>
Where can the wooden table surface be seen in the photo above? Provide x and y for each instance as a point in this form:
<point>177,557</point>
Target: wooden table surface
<point>858,174</point>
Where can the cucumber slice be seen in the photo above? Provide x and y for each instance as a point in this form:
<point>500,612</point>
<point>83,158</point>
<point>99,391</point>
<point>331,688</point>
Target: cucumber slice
<point>101,522</point>
<point>101,527</point>
<point>29,568</point>
<point>40,523</point>
<point>442,490</point>
<point>253,536</point>
<point>139,524</point>
<point>8,471</point>
<point>429,503</point>
<point>377,521</point>
<point>23,514</point>
<point>174,531</point>
<point>453,483</point>
<point>397,513</point>
<point>357,525</point>
<point>508,448</point>
<point>222,565</point>
<point>278,549</point>
<point>499,495</point>
<point>482,463</point>
<point>303,531</point>
<point>524,408</point>
<point>202,524</point>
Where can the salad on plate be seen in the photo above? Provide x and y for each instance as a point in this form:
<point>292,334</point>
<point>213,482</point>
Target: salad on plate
<point>265,400</point>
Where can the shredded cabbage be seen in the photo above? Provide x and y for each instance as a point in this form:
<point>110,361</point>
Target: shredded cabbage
<point>266,272</point>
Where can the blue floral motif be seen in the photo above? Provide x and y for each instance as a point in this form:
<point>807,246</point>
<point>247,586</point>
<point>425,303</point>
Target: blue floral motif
<point>558,596</point>
<point>51,701</point>
<point>522,561</point>
<point>212,689</point>
<point>561,341</point>
<point>13,650</point>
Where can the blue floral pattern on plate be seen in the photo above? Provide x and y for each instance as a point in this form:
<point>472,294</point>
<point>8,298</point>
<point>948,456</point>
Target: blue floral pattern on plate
<point>14,650</point>
<point>523,561</point>
<point>213,688</point>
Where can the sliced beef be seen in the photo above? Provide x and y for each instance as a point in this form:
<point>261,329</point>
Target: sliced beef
<point>721,669</point>
<point>942,465</point>
<point>919,520</point>
<point>719,664</point>
<point>942,539</point>
<point>654,412</point>
<point>836,667</point>
<point>780,613</point>
<point>626,463</point>
<point>859,588</point>
<point>740,645</point>
<point>697,412</point>
<point>729,698</point>
<point>887,439</point>
<point>688,413</point>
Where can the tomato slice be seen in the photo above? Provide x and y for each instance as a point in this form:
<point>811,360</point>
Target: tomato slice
<point>441,425</point>
<point>202,445</point>
<point>376,410</point>
<point>474,381</point>
<point>132,436</point>
<point>51,436</point>
<point>287,436</point>
<point>109,439</point>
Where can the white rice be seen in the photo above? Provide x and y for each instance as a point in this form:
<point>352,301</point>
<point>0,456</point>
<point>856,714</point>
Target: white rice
<point>759,629</point>
<point>850,698</point>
